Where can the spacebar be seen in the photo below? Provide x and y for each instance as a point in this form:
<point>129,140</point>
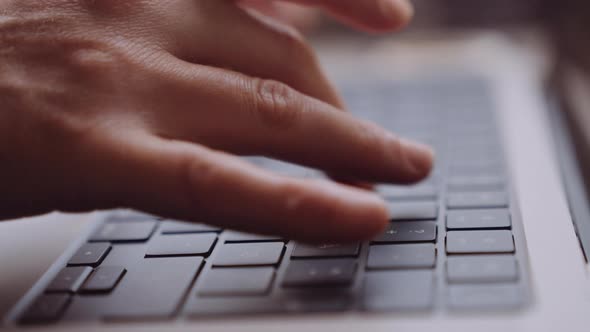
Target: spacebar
<point>153,288</point>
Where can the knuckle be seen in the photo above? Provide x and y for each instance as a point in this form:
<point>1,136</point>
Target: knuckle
<point>276,104</point>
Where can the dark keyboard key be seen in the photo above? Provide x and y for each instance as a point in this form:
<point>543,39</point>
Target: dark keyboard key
<point>479,242</point>
<point>249,254</point>
<point>481,269</point>
<point>477,200</point>
<point>325,250</point>
<point>69,279</point>
<point>90,254</point>
<point>179,227</point>
<point>181,245</point>
<point>477,219</point>
<point>400,232</point>
<point>46,308</point>
<point>324,272</point>
<point>221,306</point>
<point>473,297</point>
<point>235,236</point>
<point>399,290</point>
<point>402,256</point>
<point>476,183</point>
<point>103,279</point>
<point>237,282</point>
<point>417,192</point>
<point>406,211</point>
<point>124,231</point>
<point>153,288</point>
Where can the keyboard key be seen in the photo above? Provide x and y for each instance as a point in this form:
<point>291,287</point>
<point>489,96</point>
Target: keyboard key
<point>400,232</point>
<point>479,242</point>
<point>406,211</point>
<point>237,282</point>
<point>46,308</point>
<point>477,219</point>
<point>477,200</point>
<point>481,269</point>
<point>235,236</point>
<point>473,297</point>
<point>249,254</point>
<point>181,245</point>
<point>179,227</point>
<point>325,250</point>
<point>125,254</point>
<point>398,290</point>
<point>205,307</point>
<point>476,183</point>
<point>69,279</point>
<point>417,192</point>
<point>322,272</point>
<point>130,215</point>
<point>124,231</point>
<point>402,256</point>
<point>103,279</point>
<point>152,288</point>
<point>310,300</point>
<point>90,254</point>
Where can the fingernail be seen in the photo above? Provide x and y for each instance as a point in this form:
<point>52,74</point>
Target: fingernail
<point>397,9</point>
<point>419,156</point>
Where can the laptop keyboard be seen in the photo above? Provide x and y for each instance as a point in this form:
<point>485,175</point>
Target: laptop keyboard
<point>454,243</point>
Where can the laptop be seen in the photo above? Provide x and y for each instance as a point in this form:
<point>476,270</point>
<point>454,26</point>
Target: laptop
<point>495,239</point>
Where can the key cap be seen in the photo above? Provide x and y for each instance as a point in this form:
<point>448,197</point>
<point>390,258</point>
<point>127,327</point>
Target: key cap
<point>130,215</point>
<point>222,306</point>
<point>69,279</point>
<point>323,272</point>
<point>481,269</point>
<point>90,254</point>
<point>249,254</point>
<point>181,245</point>
<point>479,242</point>
<point>477,200</point>
<point>476,183</point>
<point>470,297</point>
<point>325,250</point>
<point>398,290</point>
<point>124,231</point>
<point>417,192</point>
<point>320,300</point>
<point>179,227</point>
<point>153,288</point>
<point>46,308</point>
<point>235,236</point>
<point>103,279</point>
<point>402,256</point>
<point>477,219</point>
<point>237,282</point>
<point>86,308</point>
<point>125,254</point>
<point>400,232</point>
<point>406,211</point>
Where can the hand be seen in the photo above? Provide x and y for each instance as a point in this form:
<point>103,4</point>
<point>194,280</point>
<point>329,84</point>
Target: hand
<point>108,103</point>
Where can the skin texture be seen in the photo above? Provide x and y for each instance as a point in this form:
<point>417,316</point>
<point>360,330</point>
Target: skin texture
<point>144,104</point>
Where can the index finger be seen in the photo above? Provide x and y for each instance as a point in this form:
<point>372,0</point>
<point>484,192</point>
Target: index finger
<point>372,15</point>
